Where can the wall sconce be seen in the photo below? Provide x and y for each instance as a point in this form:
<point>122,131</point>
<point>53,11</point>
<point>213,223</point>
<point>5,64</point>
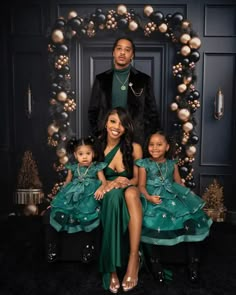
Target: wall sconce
<point>29,102</point>
<point>219,105</point>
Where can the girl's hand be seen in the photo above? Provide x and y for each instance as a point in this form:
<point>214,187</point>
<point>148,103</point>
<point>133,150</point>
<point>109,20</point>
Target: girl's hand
<point>98,195</point>
<point>154,199</point>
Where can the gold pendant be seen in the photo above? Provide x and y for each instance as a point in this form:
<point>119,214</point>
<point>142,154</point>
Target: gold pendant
<point>123,87</point>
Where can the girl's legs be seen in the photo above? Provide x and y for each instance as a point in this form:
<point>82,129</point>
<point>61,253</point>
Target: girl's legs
<point>193,254</point>
<point>152,256</point>
<point>132,197</point>
<point>51,238</point>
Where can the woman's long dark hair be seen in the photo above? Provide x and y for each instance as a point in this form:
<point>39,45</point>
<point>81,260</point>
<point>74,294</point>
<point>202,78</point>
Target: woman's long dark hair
<point>126,140</point>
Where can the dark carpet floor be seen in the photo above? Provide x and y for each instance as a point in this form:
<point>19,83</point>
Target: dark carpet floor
<point>24,270</point>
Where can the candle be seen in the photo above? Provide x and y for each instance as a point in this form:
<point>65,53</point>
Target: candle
<point>29,100</point>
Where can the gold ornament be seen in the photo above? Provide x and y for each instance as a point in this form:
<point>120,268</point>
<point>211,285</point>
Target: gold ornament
<point>182,88</point>
<point>191,151</point>
<point>62,96</point>
<point>72,14</point>
<point>174,106</point>
<point>133,26</point>
<point>64,160</point>
<point>57,36</point>
<point>187,80</point>
<point>163,28</point>
<point>195,43</point>
<point>184,115</point>
<point>148,10</point>
<point>185,24</point>
<point>121,9</point>
<point>52,128</point>
<point>61,152</point>
<point>185,50</point>
<point>185,38</point>
<point>187,127</point>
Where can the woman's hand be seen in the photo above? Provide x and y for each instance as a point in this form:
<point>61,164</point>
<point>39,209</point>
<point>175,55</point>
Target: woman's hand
<point>154,199</point>
<point>119,182</point>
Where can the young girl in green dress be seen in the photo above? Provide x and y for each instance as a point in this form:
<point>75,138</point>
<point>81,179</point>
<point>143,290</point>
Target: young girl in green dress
<point>76,207</point>
<point>172,212</point>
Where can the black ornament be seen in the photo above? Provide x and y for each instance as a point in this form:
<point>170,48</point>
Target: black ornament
<point>122,23</point>
<point>194,56</point>
<point>183,171</point>
<point>59,24</point>
<point>157,17</point>
<point>62,49</point>
<point>75,23</point>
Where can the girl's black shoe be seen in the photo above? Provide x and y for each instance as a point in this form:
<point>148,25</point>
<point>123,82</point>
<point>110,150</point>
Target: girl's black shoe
<point>88,254</point>
<point>52,252</point>
<point>156,270</point>
<point>194,270</point>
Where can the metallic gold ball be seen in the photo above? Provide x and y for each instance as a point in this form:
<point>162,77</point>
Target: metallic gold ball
<point>187,127</point>
<point>185,24</point>
<point>195,43</point>
<point>121,9</point>
<point>191,150</point>
<point>64,160</point>
<point>185,50</point>
<point>185,38</point>
<point>57,36</point>
<point>61,152</point>
<point>182,88</point>
<point>52,128</point>
<point>174,106</point>
<point>163,28</point>
<point>62,96</point>
<point>148,10</point>
<point>133,26</point>
<point>184,115</point>
<point>72,14</point>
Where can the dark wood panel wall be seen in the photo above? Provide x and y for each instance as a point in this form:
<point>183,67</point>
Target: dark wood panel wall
<point>24,31</point>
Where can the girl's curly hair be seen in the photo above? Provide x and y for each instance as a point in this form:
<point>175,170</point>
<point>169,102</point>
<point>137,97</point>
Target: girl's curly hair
<point>75,143</point>
<point>170,153</point>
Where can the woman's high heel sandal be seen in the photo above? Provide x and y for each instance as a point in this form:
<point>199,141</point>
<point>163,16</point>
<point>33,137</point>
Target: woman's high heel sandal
<point>114,285</point>
<point>130,283</point>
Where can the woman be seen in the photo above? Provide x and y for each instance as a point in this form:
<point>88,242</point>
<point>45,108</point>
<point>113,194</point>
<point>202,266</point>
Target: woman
<point>121,212</point>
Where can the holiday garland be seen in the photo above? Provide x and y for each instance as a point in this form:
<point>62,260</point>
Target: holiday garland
<point>173,27</point>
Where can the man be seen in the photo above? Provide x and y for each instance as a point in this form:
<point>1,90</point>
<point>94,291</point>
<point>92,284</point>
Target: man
<point>125,86</point>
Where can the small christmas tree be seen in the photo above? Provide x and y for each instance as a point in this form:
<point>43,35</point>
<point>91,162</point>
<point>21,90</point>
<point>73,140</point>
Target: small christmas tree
<point>28,177</point>
<point>214,199</point>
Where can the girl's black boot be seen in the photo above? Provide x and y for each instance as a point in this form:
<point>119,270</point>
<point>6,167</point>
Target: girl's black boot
<point>156,270</point>
<point>194,270</point>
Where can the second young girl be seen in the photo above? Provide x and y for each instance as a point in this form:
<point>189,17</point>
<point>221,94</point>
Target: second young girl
<point>172,212</point>
<point>76,207</point>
